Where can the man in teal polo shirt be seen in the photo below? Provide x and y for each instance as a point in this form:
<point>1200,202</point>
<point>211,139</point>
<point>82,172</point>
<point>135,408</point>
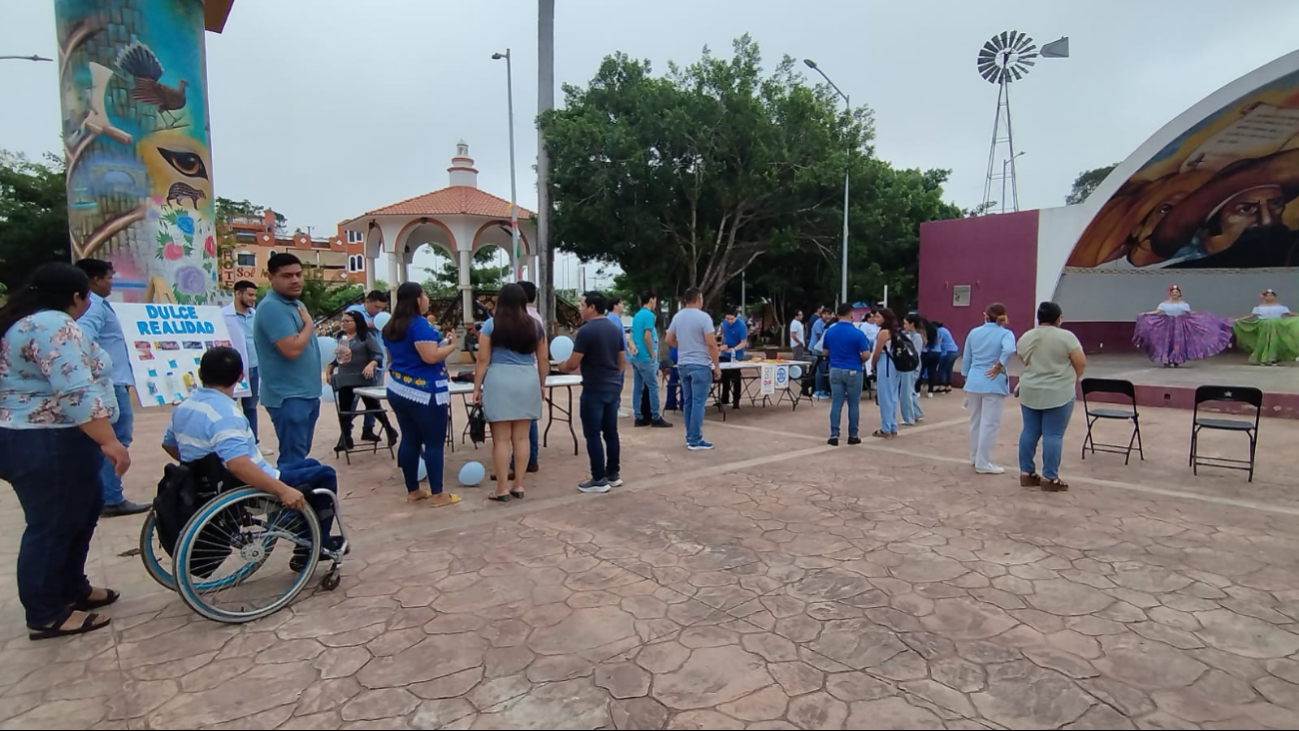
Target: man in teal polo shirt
<point>289,360</point>
<point>645,363</point>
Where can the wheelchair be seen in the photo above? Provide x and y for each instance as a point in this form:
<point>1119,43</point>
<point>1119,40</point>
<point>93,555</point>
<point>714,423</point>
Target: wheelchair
<point>220,539</point>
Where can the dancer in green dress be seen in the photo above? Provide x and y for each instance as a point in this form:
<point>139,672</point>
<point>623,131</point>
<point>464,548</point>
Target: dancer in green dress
<point>1270,334</point>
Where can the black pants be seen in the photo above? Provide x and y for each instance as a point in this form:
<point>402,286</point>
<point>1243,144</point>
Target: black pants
<point>732,384</point>
<point>347,402</point>
<point>55,475</point>
<point>930,362</point>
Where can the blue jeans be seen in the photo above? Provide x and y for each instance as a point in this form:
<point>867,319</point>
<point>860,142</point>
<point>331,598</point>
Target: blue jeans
<point>309,475</point>
<point>644,375</point>
<point>945,365</point>
<point>423,429</point>
<point>822,380</point>
<point>53,472</point>
<point>295,426</point>
<point>249,403</point>
<point>1047,425</point>
<point>109,483</point>
<point>845,384</point>
<point>888,384</point>
<point>909,398</point>
<point>532,447</point>
<point>600,427</point>
<point>696,382</point>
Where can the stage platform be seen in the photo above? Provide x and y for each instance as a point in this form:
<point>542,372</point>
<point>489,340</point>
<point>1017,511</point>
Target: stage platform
<point>1175,387</point>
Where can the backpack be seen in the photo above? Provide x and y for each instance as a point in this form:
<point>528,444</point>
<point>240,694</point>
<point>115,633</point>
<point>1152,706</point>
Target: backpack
<point>902,351</point>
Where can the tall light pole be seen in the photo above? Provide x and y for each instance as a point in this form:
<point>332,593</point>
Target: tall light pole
<point>847,172</point>
<point>514,192</point>
<point>1004,164</point>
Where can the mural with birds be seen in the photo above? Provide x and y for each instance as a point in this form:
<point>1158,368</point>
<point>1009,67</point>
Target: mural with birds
<point>139,61</point>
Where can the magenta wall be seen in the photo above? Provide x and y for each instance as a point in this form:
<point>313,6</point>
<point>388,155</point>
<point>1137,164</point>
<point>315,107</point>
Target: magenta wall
<point>995,255</point>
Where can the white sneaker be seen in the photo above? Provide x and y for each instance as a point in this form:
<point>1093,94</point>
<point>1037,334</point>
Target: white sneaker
<point>614,480</point>
<point>990,470</point>
<point>593,486</point>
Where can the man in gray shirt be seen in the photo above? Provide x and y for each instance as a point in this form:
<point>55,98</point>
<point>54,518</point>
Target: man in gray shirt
<point>691,333</point>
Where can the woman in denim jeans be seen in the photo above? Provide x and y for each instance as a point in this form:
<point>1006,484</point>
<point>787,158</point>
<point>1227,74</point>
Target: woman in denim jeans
<point>56,429</point>
<point>1055,361</point>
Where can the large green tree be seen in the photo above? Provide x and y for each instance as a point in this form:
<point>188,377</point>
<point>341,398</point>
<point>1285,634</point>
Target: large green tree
<point>1086,183</point>
<point>716,170</point>
<point>33,216</point>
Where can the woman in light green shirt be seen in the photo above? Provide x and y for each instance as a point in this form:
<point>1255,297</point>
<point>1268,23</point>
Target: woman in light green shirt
<point>1055,361</point>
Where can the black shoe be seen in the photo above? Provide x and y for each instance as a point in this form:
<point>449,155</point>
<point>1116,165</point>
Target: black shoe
<point>299,560</point>
<point>344,443</point>
<point>833,441</point>
<point>641,422</point>
<point>126,507</point>
<point>533,467</point>
<point>369,436</point>
<point>392,436</point>
<point>854,440</point>
<point>661,423</point>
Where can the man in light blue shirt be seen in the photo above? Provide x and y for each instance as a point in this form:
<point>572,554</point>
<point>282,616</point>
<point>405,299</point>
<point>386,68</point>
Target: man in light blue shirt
<point>239,321</point>
<point>210,422</point>
<point>988,349</point>
<point>289,359</point>
<point>100,325</point>
<point>645,364</point>
<point>691,333</point>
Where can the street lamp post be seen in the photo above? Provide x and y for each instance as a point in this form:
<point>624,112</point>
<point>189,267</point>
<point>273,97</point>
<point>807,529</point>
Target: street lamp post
<point>514,193</point>
<point>847,172</point>
<point>1004,164</point>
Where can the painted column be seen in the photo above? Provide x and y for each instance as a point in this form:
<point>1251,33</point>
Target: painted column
<point>393,279</point>
<point>466,288</point>
<point>135,138</point>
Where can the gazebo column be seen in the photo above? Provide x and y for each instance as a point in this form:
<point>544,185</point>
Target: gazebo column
<point>393,271</point>
<point>403,271</point>
<point>370,276</point>
<point>466,287</point>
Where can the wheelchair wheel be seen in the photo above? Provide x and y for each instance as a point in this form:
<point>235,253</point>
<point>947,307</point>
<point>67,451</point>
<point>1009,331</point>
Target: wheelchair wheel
<point>154,556</point>
<point>227,567</point>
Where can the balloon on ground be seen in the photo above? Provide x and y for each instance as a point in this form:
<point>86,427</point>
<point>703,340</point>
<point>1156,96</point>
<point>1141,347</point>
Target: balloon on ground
<point>472,474</point>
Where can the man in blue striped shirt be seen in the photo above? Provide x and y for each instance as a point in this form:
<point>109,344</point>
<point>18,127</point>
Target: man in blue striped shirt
<point>210,421</point>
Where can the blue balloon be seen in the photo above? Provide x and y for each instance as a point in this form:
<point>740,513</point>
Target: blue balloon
<point>472,474</point>
<point>381,319</point>
<point>327,347</point>
<point>560,348</point>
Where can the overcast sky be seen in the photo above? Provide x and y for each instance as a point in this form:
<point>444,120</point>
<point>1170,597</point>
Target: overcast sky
<point>323,109</point>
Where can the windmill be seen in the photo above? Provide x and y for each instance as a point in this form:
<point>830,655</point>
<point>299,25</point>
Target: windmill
<point>1007,57</point>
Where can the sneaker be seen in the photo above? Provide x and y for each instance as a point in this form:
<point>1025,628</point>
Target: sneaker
<point>854,440</point>
<point>596,486</point>
<point>614,479</point>
<point>929,395</point>
<point>642,422</point>
<point>700,447</point>
<point>126,507</point>
<point>990,470</point>
<point>661,423</point>
<point>833,441</point>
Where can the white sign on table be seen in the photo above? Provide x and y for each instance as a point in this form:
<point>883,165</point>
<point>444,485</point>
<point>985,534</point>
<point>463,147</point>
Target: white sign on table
<point>165,344</point>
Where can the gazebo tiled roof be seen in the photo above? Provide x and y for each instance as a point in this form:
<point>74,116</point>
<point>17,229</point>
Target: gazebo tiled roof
<point>455,200</point>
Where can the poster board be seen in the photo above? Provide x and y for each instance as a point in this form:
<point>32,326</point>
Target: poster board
<point>165,343</point>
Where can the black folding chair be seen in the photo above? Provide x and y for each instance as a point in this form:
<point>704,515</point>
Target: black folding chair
<point>360,446</point>
<point>1233,395</point>
<point>1120,388</point>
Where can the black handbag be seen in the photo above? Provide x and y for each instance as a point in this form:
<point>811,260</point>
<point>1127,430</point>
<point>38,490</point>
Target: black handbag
<point>477,424</point>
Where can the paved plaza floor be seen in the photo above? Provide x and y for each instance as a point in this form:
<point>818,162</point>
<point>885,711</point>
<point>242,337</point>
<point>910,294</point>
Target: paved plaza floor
<point>776,582</point>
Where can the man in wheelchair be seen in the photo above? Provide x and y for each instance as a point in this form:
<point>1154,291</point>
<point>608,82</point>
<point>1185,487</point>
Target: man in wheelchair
<point>211,422</point>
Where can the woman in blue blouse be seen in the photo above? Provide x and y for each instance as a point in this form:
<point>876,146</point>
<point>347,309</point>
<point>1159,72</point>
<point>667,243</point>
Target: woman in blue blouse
<point>947,352</point>
<point>988,349</point>
<point>417,392</point>
<point>57,409</point>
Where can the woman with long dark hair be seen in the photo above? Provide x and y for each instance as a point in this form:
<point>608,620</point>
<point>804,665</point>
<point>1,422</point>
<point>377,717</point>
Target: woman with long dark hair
<point>888,380</point>
<point>56,429</point>
<point>913,327</point>
<point>417,392</point>
<point>931,357</point>
<point>508,382</point>
<point>947,353</point>
<point>988,349</point>
<point>356,364</point>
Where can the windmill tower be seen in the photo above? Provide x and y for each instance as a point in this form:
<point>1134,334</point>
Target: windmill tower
<point>1007,57</point>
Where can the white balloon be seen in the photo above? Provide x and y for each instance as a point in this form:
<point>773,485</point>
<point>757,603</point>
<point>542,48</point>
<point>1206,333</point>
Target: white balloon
<point>327,347</point>
<point>796,372</point>
<point>381,319</point>
<point>560,348</point>
<point>423,469</point>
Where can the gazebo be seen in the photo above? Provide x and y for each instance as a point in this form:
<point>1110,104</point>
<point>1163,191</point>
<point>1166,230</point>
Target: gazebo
<point>460,218</point>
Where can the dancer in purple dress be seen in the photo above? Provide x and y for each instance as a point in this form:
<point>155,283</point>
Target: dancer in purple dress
<point>1172,334</point>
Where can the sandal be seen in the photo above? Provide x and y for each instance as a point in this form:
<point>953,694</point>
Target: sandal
<point>518,494</point>
<point>91,623</point>
<point>417,495</point>
<point>1056,485</point>
<point>86,604</point>
<point>884,434</point>
<point>499,498</point>
<point>1032,479</point>
<point>441,500</point>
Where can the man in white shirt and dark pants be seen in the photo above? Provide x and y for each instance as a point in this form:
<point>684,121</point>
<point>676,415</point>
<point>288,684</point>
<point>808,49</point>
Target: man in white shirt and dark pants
<point>797,338</point>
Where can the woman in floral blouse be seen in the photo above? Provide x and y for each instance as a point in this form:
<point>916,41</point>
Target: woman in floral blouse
<point>56,416</point>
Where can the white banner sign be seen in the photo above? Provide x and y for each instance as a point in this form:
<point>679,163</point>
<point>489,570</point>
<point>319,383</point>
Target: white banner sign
<point>768,379</point>
<point>165,343</point>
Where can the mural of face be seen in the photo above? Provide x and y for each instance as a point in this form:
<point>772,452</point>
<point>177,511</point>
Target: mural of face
<point>1257,208</point>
